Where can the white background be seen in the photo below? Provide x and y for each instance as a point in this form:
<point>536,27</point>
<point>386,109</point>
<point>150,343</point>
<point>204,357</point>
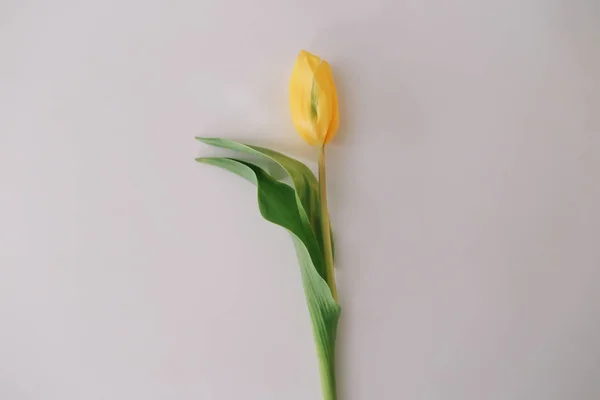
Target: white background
<point>464,192</point>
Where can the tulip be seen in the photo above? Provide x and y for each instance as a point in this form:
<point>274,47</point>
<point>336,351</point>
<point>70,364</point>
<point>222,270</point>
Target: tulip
<point>313,99</point>
<point>301,206</point>
<point>315,114</point>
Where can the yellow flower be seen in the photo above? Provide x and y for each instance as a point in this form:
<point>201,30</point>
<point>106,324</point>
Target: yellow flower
<point>313,99</point>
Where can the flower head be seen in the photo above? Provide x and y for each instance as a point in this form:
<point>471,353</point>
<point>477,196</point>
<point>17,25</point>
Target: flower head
<point>313,99</point>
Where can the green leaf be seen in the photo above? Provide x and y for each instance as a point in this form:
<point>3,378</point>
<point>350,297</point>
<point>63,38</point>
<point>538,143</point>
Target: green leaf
<point>305,184</point>
<point>278,204</point>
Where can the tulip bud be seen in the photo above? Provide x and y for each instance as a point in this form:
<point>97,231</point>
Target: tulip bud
<point>313,99</point>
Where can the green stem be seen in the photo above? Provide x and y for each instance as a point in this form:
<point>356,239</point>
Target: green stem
<point>326,359</point>
<point>325,226</point>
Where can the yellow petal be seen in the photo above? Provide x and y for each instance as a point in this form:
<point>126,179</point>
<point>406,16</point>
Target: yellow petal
<point>313,99</point>
<point>301,84</point>
<point>329,117</point>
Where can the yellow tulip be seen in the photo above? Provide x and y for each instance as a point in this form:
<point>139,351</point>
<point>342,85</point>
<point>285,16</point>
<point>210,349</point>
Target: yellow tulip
<point>313,99</point>
<point>314,109</point>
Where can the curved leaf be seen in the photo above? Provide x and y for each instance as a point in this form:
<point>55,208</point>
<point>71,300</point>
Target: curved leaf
<point>278,204</point>
<point>305,184</point>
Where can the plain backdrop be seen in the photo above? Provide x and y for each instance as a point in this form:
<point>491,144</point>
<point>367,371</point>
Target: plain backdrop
<point>464,191</point>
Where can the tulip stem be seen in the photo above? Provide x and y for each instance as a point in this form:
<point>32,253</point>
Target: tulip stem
<point>326,226</point>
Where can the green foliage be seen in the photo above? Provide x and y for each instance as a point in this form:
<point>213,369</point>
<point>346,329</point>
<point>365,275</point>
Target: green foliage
<point>295,208</point>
